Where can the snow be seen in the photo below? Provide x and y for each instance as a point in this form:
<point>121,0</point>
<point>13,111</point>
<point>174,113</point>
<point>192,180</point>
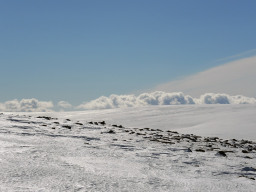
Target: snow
<point>65,151</point>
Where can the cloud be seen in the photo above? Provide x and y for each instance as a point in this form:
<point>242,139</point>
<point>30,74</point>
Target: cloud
<point>233,78</point>
<point>26,105</point>
<point>163,98</point>
<point>211,98</point>
<point>64,104</point>
<point>123,101</point>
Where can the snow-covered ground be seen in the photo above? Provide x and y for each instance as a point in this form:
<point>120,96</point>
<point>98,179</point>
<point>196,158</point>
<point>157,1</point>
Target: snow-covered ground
<point>226,121</point>
<point>76,151</point>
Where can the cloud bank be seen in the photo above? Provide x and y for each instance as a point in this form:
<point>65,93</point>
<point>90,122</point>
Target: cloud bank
<point>26,105</point>
<point>163,98</point>
<point>122,101</point>
<point>64,104</point>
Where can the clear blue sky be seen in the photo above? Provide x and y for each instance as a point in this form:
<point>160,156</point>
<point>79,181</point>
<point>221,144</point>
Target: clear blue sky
<point>79,50</point>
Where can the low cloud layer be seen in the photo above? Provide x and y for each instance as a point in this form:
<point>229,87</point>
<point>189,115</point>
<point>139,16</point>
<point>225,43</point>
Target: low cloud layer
<point>26,105</point>
<point>163,98</point>
<point>122,101</point>
<point>64,104</point>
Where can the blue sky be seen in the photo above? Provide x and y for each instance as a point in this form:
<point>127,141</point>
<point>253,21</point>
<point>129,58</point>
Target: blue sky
<point>79,50</point>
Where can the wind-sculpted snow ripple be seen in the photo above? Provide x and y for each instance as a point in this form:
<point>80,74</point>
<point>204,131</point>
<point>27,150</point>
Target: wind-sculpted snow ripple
<point>59,155</point>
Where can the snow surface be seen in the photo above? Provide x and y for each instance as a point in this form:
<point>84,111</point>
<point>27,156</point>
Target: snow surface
<point>65,151</point>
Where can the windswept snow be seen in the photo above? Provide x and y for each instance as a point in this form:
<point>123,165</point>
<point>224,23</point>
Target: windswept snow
<point>86,151</point>
<point>226,121</point>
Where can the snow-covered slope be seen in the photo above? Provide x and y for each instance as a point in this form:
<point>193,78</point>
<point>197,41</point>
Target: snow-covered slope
<point>69,152</point>
<point>226,121</point>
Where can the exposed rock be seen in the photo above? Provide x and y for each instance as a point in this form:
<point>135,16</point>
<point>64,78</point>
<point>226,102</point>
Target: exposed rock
<point>200,150</point>
<point>66,126</point>
<point>221,153</point>
<point>102,122</point>
<point>111,131</point>
<point>248,169</point>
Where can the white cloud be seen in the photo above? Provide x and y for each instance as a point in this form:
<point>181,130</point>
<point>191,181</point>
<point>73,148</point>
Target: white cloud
<point>26,105</point>
<point>211,98</point>
<point>64,104</point>
<point>163,98</point>
<point>122,101</point>
<point>234,78</point>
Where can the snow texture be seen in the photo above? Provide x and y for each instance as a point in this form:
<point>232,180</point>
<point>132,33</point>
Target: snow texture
<point>71,151</point>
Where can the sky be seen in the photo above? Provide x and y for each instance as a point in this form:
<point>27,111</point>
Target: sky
<point>237,77</point>
<point>77,51</point>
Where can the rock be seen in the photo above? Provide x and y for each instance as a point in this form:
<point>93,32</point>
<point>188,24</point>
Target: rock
<point>188,150</point>
<point>45,117</point>
<point>200,150</point>
<point>221,153</point>
<point>111,131</point>
<point>102,123</point>
<point>248,169</point>
<point>66,126</point>
<point>244,151</point>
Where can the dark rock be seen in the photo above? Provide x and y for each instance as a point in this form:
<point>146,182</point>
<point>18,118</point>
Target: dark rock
<point>141,133</point>
<point>79,123</point>
<point>68,120</point>
<point>188,150</point>
<point>95,123</point>
<point>102,123</point>
<point>248,169</point>
<point>221,153</point>
<point>111,131</point>
<point>244,151</point>
<point>45,117</point>
<point>66,126</point>
<point>200,150</point>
